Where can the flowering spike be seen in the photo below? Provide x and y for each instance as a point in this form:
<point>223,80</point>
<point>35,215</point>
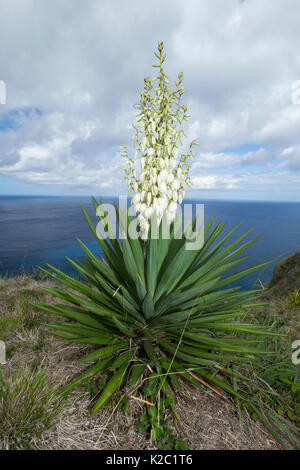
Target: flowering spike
<point>159,182</point>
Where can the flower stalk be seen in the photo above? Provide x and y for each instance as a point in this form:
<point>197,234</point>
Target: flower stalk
<point>156,173</point>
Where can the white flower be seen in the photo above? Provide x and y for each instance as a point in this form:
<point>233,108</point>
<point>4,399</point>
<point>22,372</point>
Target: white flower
<point>148,212</point>
<point>141,219</point>
<point>151,152</point>
<point>162,177</point>
<point>153,178</point>
<point>172,163</point>
<point>170,178</point>
<point>154,202</point>
<point>163,202</point>
<point>137,207</point>
<point>136,198</point>
<point>175,185</point>
<point>161,163</point>
<point>173,207</point>
<point>143,162</point>
<point>175,196</point>
<point>143,208</point>
<point>154,190</point>
<point>135,186</point>
<point>163,187</point>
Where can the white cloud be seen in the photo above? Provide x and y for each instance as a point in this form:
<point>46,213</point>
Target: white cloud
<point>83,63</point>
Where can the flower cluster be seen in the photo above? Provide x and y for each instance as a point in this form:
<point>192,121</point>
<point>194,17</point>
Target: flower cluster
<point>159,182</point>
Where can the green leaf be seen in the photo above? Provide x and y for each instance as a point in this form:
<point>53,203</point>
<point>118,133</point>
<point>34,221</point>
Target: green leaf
<point>111,387</point>
<point>105,351</point>
<point>148,307</point>
<point>91,371</point>
<point>137,371</point>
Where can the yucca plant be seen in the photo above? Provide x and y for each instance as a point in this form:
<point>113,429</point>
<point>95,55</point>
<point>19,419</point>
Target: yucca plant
<point>154,310</point>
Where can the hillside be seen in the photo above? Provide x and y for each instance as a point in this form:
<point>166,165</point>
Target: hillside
<point>209,421</point>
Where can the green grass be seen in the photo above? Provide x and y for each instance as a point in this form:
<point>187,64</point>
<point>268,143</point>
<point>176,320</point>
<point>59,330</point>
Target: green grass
<point>273,380</point>
<point>29,405</point>
<point>17,311</point>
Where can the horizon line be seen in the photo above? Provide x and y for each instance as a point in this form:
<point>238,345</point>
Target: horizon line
<point>116,196</point>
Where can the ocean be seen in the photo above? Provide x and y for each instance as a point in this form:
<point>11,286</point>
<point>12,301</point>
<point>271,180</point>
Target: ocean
<point>36,230</point>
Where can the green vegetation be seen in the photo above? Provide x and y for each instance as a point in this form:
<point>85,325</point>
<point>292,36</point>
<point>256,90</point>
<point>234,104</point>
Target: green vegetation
<point>155,310</point>
<point>273,381</point>
<point>152,315</point>
<point>29,405</point>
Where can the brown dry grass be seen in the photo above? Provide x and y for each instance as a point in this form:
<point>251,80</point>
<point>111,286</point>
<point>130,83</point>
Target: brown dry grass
<point>209,421</point>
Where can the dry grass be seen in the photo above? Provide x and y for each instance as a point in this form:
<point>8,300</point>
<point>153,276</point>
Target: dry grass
<point>209,421</point>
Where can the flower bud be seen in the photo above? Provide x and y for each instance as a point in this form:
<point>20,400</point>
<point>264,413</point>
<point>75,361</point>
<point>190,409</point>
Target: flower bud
<point>136,198</point>
<point>172,163</point>
<point>153,178</point>
<point>144,142</point>
<point>170,178</point>
<point>163,187</point>
<point>154,190</point>
<point>175,185</point>
<point>161,163</point>
<point>163,176</point>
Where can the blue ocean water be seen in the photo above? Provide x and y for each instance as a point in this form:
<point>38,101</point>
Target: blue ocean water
<point>35,231</point>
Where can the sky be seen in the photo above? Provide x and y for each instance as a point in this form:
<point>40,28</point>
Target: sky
<point>73,71</point>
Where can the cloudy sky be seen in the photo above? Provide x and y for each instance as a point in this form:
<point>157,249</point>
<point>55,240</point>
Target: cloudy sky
<point>73,70</point>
